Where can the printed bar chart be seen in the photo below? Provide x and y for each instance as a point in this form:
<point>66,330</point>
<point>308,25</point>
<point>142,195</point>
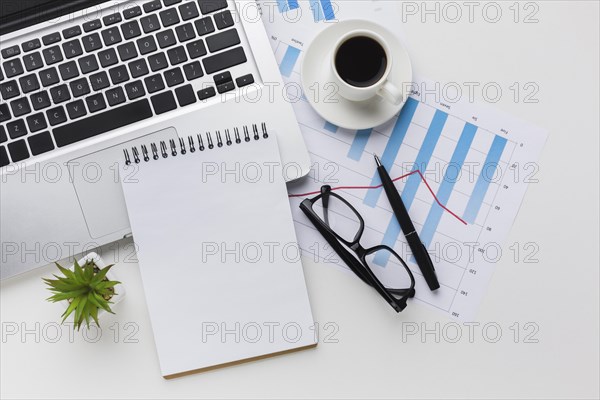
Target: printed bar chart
<point>359,144</point>
<point>289,61</point>
<point>287,5</point>
<point>484,180</point>
<point>453,172</point>
<point>322,10</point>
<point>331,127</point>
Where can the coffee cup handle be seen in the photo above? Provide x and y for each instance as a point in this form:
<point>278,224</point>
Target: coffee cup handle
<point>391,93</point>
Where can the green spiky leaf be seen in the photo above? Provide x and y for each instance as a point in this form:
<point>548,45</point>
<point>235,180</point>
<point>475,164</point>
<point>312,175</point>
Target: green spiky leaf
<point>87,290</point>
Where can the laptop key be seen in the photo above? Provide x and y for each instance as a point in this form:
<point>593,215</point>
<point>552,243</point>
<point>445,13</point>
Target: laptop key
<point>9,90</point>
<point>207,93</point>
<point>51,38</point>
<point>88,64</point>
<point>169,17</point>
<point>245,80</point>
<point>4,112</point>
<point>80,87</point>
<point>138,68</point>
<point>154,83</point>
<point>158,62</point>
<point>31,45</point>
<point>56,115</point>
<point>68,70</point>
<point>166,38</point>
<point>52,55</point>
<point>18,151</point>
<point>163,102</point>
<point>11,51</point>
<point>108,57</point>
<point>118,74</point>
<point>152,6</point>
<point>150,23</point>
<point>60,94</point>
<point>135,90</point>
<point>171,2</point>
<point>72,49</point>
<point>185,32</point>
<point>97,124</point>
<point>131,30</point>
<point>226,87</point>
<point>132,12</point>
<point>193,71</point>
<point>127,51</point>
<point>112,19</point>
<point>188,11</point>
<point>33,61</point>
<point>205,26</point>
<point>76,109</point>
<point>111,36</point>
<point>36,122</point>
<point>3,136</point>
<point>40,100</point>
<point>177,55</point>
<point>29,83</point>
<point>223,77</point>
<point>174,77</point>
<point>99,81</point>
<point>224,19</point>
<point>40,143</point>
<point>13,68</point>
<point>185,95</point>
<point>196,49</point>
<point>146,45</point>
<point>223,40</point>
<point>71,32</point>
<point>20,107</point>
<point>115,96</point>
<point>49,77</point>
<point>95,103</point>
<point>92,25</point>
<point>4,161</point>
<point>224,60</point>
<point>92,42</point>
<point>211,6</point>
<point>16,129</point>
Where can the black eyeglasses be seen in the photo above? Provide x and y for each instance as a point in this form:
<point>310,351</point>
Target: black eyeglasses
<point>329,208</point>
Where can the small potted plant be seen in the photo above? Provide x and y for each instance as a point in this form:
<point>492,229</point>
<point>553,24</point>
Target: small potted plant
<point>87,289</point>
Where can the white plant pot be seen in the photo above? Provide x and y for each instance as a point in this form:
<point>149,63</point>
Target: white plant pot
<point>111,276</point>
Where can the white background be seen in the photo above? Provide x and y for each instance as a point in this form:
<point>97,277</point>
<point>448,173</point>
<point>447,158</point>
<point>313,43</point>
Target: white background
<point>558,294</point>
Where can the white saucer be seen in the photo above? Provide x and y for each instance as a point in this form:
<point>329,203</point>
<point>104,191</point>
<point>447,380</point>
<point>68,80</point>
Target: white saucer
<point>316,68</point>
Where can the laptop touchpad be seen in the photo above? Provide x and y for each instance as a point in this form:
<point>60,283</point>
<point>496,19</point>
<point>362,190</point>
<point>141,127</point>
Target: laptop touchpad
<point>97,184</point>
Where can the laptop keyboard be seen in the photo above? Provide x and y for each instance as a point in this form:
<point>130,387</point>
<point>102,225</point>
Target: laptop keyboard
<point>112,72</point>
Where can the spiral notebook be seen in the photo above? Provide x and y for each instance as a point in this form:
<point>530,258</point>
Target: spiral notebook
<point>217,249</point>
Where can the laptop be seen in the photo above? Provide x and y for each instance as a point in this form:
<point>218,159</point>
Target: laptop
<point>80,79</point>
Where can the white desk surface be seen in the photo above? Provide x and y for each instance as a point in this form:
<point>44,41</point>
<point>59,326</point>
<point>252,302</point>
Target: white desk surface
<point>558,294</point>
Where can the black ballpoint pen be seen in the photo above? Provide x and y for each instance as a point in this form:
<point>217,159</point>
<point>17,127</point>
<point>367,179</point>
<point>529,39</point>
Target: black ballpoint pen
<point>414,242</point>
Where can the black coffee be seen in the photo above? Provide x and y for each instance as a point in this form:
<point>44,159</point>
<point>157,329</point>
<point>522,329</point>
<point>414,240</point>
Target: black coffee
<point>361,61</point>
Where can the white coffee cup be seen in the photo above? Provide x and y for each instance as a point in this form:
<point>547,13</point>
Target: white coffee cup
<point>383,87</point>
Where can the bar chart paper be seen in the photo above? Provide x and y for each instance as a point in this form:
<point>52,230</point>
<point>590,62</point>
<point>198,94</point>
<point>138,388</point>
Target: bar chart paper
<point>465,169</point>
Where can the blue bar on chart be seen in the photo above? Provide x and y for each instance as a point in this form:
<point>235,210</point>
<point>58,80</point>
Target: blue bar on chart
<point>453,173</point>
<point>485,178</point>
<point>431,139</point>
<point>412,185</point>
<point>322,10</point>
<point>287,5</point>
<point>289,61</point>
<point>359,144</point>
<point>393,147</point>
<point>331,127</point>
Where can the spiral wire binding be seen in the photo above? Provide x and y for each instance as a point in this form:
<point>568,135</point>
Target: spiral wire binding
<point>173,148</point>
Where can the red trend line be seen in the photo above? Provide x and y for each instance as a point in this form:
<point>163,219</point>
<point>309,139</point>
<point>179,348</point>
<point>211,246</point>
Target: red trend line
<point>380,186</point>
